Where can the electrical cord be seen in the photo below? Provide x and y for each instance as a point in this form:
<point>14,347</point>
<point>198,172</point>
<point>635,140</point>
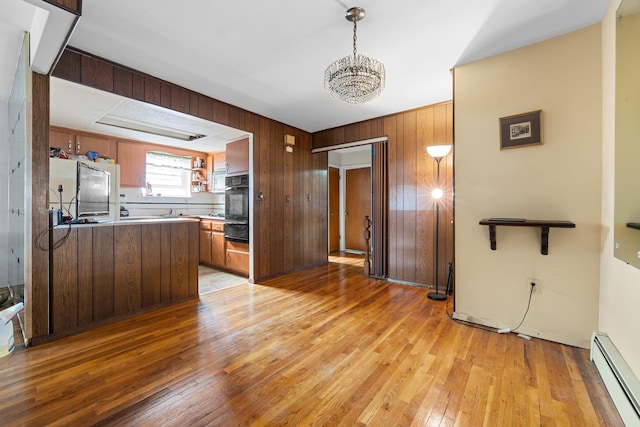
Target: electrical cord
<point>464,322</point>
<point>486,328</point>
<point>68,209</point>
<point>57,244</point>
<point>526,311</point>
<point>58,194</point>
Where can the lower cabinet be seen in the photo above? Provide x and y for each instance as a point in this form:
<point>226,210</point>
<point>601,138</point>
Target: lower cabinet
<point>217,252</point>
<point>217,249</point>
<point>212,243</point>
<point>237,257</point>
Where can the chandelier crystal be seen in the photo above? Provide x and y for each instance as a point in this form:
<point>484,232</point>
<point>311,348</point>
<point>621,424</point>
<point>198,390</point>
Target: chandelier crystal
<point>356,78</point>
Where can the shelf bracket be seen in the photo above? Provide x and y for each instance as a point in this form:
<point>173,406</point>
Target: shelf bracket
<point>492,236</point>
<point>544,238</point>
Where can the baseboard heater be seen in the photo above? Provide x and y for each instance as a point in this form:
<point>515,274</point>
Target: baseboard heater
<point>622,384</point>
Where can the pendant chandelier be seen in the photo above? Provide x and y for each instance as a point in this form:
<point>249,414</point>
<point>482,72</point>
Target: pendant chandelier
<point>355,79</point>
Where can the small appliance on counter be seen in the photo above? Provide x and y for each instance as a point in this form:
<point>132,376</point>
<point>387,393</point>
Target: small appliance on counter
<point>124,212</point>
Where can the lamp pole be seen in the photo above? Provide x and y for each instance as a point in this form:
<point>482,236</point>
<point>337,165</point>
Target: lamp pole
<point>437,152</point>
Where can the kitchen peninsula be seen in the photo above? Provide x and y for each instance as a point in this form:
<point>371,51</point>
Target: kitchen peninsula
<point>103,272</point>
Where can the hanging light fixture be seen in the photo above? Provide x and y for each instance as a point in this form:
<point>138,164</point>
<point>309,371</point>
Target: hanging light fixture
<point>355,79</point>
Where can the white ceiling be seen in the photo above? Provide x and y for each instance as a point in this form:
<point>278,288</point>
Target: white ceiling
<point>270,57</point>
<point>16,18</point>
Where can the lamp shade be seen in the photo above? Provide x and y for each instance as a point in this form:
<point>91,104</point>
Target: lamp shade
<point>438,151</point>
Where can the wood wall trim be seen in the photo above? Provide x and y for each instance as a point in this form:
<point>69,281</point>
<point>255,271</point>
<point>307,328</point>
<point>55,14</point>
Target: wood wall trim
<point>73,6</point>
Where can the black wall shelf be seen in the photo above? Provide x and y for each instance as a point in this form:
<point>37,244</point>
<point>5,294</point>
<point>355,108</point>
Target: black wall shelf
<point>521,222</point>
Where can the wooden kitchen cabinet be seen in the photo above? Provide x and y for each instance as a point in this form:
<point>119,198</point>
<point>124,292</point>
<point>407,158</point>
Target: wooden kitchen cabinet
<point>237,257</point>
<point>75,143</point>
<point>219,161</point>
<point>212,249</point>
<point>237,157</point>
<point>217,248</point>
<point>132,158</point>
<point>216,172</point>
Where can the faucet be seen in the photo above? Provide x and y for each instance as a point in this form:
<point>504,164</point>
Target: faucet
<point>172,212</point>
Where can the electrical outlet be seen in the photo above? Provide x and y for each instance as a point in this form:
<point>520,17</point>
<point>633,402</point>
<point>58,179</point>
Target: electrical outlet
<point>536,288</point>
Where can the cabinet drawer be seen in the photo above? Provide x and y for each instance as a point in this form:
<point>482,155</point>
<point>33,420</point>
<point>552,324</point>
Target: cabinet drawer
<point>238,246</point>
<point>217,226</point>
<point>237,260</point>
<point>205,225</point>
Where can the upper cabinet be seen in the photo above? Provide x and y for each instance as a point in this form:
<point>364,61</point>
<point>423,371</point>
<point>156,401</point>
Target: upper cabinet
<point>216,172</point>
<point>132,159</point>
<point>76,143</point>
<point>237,154</point>
<point>219,162</point>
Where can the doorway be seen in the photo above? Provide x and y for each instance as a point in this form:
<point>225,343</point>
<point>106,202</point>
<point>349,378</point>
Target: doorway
<point>374,154</point>
<point>349,202</point>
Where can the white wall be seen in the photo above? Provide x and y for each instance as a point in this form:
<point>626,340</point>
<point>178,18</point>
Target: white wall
<point>559,180</point>
<point>198,204</point>
<point>358,157</point>
<point>619,282</point>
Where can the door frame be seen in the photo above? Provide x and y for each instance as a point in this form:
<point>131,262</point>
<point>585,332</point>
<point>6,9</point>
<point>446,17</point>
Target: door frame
<point>384,242</point>
<point>329,167</point>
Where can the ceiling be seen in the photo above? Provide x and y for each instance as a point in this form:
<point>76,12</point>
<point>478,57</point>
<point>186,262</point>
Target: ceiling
<point>270,57</point>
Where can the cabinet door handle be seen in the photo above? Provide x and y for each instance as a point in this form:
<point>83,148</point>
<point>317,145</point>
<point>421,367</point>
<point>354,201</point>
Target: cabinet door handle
<point>69,146</point>
<point>77,147</point>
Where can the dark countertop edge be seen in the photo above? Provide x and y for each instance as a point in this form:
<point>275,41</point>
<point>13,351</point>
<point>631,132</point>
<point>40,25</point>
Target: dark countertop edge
<point>134,221</point>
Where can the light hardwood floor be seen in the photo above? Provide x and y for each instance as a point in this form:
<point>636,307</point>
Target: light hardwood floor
<point>324,346</point>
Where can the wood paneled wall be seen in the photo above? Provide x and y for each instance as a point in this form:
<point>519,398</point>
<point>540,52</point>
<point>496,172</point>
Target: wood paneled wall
<point>37,285</point>
<point>412,176</point>
<point>73,6</point>
<point>288,236</point>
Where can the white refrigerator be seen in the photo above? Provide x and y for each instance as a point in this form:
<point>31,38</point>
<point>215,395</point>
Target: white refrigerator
<point>64,172</point>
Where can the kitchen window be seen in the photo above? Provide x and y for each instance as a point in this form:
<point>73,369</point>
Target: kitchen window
<point>168,175</point>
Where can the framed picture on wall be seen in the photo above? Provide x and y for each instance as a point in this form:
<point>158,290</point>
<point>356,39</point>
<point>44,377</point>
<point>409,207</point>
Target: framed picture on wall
<point>521,130</point>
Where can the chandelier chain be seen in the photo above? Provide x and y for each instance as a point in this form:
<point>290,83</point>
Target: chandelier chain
<point>355,37</point>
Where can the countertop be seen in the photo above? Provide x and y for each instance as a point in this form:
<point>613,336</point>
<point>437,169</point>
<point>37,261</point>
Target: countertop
<point>133,220</point>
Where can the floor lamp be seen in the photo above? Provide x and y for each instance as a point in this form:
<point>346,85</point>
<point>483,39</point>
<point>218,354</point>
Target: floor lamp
<point>437,152</point>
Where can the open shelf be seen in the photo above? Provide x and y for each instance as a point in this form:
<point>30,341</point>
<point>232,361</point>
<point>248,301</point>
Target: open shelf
<point>544,225</point>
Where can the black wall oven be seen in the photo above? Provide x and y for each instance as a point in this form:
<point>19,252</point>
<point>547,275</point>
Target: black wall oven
<point>236,208</point>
